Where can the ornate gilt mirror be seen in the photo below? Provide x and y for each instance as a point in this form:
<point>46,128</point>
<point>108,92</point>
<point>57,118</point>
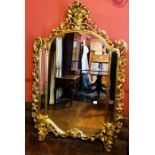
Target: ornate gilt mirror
<point>78,80</point>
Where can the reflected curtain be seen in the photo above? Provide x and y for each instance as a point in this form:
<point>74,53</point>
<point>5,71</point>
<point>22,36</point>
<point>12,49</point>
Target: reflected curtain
<point>52,77</point>
<point>56,69</point>
<point>59,47</point>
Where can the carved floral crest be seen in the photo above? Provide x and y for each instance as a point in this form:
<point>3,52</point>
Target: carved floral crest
<point>77,14</point>
<point>78,18</point>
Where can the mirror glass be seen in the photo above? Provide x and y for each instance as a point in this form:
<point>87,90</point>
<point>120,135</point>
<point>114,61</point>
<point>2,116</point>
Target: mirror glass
<point>77,82</point>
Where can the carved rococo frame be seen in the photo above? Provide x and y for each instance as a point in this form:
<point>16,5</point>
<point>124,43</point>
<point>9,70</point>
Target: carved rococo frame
<point>77,20</point>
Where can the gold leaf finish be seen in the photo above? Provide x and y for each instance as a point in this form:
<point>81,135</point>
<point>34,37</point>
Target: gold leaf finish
<point>78,20</point>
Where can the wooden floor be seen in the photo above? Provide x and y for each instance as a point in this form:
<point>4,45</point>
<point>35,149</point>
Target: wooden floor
<point>82,115</point>
<point>68,146</point>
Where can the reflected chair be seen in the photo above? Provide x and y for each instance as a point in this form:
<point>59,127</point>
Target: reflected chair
<point>86,86</point>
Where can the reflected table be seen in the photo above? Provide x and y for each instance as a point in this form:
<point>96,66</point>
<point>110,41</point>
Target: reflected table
<point>69,84</point>
<point>99,86</point>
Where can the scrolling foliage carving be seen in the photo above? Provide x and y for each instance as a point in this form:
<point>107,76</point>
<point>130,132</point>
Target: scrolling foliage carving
<point>78,20</point>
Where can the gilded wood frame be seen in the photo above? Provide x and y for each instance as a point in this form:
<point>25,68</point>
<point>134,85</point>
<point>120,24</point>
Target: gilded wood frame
<point>77,20</point>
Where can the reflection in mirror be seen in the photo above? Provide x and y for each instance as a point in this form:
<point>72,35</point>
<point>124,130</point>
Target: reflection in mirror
<point>78,82</point>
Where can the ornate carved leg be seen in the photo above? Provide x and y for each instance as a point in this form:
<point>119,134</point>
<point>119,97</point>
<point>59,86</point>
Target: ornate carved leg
<point>41,137</point>
<point>108,144</point>
<point>107,136</point>
<point>42,134</point>
<point>43,126</point>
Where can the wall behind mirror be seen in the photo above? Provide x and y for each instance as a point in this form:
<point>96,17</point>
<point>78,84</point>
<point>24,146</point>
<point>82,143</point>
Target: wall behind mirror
<point>42,17</point>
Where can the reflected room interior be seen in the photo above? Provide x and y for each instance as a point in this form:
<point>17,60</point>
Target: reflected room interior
<point>77,82</point>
